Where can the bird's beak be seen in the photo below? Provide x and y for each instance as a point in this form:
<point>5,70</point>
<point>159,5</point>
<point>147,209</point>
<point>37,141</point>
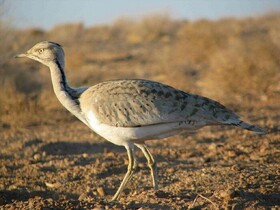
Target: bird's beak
<point>23,55</point>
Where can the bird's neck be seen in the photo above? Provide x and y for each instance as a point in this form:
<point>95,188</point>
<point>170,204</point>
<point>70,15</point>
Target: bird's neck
<point>68,97</point>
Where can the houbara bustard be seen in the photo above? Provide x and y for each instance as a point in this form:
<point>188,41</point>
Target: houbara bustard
<point>130,111</point>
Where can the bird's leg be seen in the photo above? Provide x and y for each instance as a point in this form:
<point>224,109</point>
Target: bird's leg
<point>151,163</point>
<point>130,169</point>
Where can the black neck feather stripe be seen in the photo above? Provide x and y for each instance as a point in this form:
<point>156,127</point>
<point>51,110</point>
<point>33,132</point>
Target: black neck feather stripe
<point>63,81</point>
<point>63,77</point>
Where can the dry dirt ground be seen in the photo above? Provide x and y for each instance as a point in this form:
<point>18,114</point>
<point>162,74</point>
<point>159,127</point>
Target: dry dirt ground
<point>61,164</point>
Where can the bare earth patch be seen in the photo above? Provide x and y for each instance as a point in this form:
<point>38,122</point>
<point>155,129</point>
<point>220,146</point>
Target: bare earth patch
<point>63,165</point>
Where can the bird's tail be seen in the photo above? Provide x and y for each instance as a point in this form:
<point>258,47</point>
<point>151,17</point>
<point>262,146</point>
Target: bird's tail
<point>249,127</point>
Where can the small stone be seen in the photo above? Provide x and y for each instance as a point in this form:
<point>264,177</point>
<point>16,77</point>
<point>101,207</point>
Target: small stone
<point>231,154</point>
<point>110,154</point>
<point>100,191</point>
<point>37,156</point>
<point>85,155</point>
<point>44,154</point>
<point>141,165</point>
<point>212,147</point>
<point>98,208</point>
<point>53,185</point>
<point>49,200</point>
<point>224,194</point>
<point>170,170</point>
<point>82,197</point>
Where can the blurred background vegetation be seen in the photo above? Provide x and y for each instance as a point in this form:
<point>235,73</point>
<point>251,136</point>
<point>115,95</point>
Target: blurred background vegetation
<point>234,61</point>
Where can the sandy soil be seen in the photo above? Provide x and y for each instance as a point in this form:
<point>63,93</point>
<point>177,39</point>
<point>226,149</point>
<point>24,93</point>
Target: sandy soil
<point>63,165</point>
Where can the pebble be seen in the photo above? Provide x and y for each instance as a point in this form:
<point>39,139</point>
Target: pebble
<point>98,208</point>
<point>212,147</point>
<point>85,155</point>
<point>49,200</point>
<point>37,156</point>
<point>100,191</point>
<point>170,170</point>
<point>53,185</point>
<point>44,154</point>
<point>83,196</point>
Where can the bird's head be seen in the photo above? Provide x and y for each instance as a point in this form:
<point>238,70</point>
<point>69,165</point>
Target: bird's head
<point>45,52</point>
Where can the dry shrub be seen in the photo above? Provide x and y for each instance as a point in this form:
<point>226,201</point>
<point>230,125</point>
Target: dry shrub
<point>239,71</point>
<point>158,27</point>
<point>97,34</point>
<point>75,58</point>
<point>20,89</point>
<point>249,66</point>
<point>66,33</point>
<point>18,109</point>
<point>235,57</point>
<point>198,40</point>
<point>19,98</point>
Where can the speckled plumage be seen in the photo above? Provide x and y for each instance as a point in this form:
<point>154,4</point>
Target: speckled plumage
<point>133,103</point>
<point>128,112</point>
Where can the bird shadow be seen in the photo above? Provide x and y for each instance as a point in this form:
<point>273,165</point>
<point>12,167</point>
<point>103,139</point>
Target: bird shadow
<point>75,148</point>
<point>263,200</point>
<point>9,196</point>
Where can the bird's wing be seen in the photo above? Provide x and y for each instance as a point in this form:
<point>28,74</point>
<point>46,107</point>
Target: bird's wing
<point>131,103</point>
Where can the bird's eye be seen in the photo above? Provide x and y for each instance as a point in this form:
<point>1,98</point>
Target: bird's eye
<point>41,51</point>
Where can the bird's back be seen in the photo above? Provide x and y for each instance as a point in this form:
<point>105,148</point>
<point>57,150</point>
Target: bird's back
<point>133,103</point>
